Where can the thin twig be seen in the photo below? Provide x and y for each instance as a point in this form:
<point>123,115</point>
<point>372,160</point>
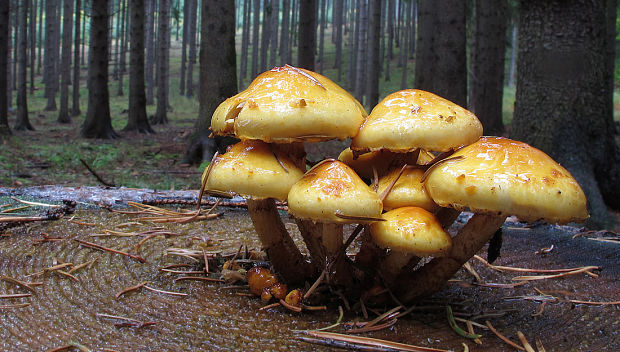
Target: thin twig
<point>526,344</point>
<point>99,178</point>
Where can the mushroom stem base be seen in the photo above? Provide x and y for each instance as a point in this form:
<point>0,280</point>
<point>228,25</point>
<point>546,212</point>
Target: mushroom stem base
<point>433,276</point>
<point>285,257</point>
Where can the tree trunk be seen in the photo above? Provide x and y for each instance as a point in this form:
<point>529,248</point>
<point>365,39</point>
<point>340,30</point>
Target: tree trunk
<point>486,71</point>
<point>184,49</point>
<point>323,23</point>
<point>22,123</point>
<point>82,55</point>
<point>440,54</point>
<point>218,75</point>
<point>121,47</point>
<point>10,55</point>
<point>39,40</point>
<point>390,38</point>
<point>4,63</point>
<point>192,49</point>
<point>360,67</point>
<point>75,110</point>
<point>404,48</point>
<point>33,41</point>
<point>137,119</point>
<point>294,33</point>
<point>163,35</point>
<point>245,39</point>
<point>353,43</point>
<point>51,75</point>
<point>98,123</point>
<point>255,36</point>
<point>306,46</point>
<point>337,27</point>
<point>65,65</point>
<point>374,35</point>
<point>284,33</point>
<point>265,35</point>
<point>150,51</point>
<point>275,19</point>
<point>563,102</point>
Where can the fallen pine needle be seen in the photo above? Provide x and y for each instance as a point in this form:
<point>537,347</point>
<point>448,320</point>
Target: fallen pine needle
<point>12,210</point>
<point>36,203</point>
<point>340,316</point>
<point>543,277</point>
<point>130,289</point>
<point>375,327</point>
<point>80,266</point>
<point>16,295</point>
<point>82,223</point>
<point>126,321</point>
<point>198,278</point>
<point>165,292</point>
<point>504,338</point>
<point>362,342</point>
<point>66,274</point>
<point>498,285</point>
<point>51,268</point>
<point>456,328</point>
<point>470,330</point>
<point>102,248</point>
<point>11,306</point>
<point>539,345</point>
<point>26,285</point>
<point>508,268</point>
<point>525,343</point>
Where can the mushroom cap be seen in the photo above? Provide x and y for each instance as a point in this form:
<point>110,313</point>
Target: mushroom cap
<point>411,230</point>
<point>381,160</point>
<point>500,175</point>
<point>407,191</point>
<point>331,188</point>
<point>289,104</point>
<point>253,169</point>
<point>413,118</point>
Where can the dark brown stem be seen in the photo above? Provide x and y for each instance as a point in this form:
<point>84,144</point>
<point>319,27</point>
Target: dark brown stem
<point>283,254</point>
<point>434,275</point>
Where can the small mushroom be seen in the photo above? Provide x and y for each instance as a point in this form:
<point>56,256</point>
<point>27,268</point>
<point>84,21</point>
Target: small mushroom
<point>408,232</point>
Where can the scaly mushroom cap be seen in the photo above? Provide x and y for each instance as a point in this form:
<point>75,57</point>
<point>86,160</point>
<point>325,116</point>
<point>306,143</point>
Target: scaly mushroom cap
<point>499,175</point>
<point>411,230</point>
<point>380,160</point>
<point>253,169</point>
<point>413,118</point>
<point>331,188</point>
<point>407,191</point>
<point>288,104</point>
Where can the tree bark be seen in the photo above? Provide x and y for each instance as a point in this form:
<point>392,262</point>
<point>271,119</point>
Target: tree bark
<point>337,27</point>
<point>265,35</point>
<point>150,51</point>
<point>275,19</point>
<point>374,36</point>
<point>306,46</point>
<point>4,63</point>
<point>65,65</point>
<point>390,38</point>
<point>486,70</point>
<point>245,39</point>
<point>50,73</point>
<point>322,24</point>
<point>255,36</point>
<point>137,119</point>
<point>39,41</point>
<point>184,48</point>
<point>121,48</point>
<point>284,33</point>
<point>98,123</point>
<point>189,91</point>
<point>22,123</point>
<point>563,102</point>
<point>75,110</point>
<point>163,36</point>
<point>33,41</point>
<point>218,75</point>
<point>360,67</point>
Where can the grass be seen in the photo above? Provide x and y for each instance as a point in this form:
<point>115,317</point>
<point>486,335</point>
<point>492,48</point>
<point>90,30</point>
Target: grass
<point>51,154</point>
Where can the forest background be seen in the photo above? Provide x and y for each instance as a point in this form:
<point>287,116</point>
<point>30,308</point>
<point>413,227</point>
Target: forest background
<point>127,87</point>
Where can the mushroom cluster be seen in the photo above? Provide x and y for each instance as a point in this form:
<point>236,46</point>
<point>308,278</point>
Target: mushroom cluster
<point>414,164</point>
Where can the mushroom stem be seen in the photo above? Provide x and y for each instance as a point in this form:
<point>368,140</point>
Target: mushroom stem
<point>447,216</point>
<point>284,255</point>
<point>311,233</point>
<point>394,264</point>
<point>340,271</point>
<point>433,276</point>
